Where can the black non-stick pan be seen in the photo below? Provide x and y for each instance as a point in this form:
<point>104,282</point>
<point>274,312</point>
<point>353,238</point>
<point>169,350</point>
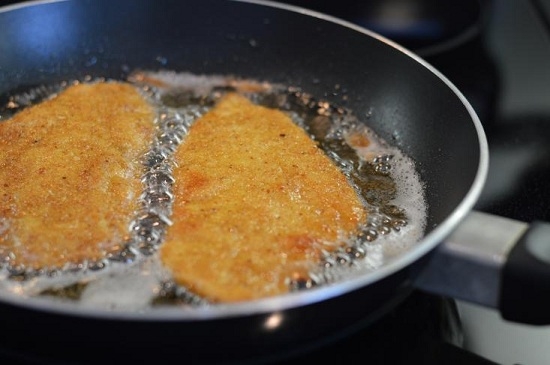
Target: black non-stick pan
<point>410,104</point>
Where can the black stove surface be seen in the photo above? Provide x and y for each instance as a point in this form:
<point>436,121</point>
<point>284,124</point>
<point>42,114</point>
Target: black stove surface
<point>423,330</point>
<point>498,64</point>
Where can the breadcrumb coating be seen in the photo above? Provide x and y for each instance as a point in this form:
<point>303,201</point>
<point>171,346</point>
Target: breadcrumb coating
<point>256,203</point>
<point>70,174</point>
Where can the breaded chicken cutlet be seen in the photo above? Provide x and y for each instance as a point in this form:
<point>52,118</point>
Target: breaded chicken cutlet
<point>256,203</point>
<point>70,174</point>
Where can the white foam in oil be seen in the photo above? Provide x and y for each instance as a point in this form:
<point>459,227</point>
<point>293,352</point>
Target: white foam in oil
<point>409,194</point>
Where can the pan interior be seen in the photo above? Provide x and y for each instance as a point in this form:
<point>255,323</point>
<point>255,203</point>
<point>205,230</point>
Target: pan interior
<point>383,177</point>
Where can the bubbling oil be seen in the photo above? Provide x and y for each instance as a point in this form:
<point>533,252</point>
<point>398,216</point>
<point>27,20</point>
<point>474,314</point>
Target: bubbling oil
<point>133,278</point>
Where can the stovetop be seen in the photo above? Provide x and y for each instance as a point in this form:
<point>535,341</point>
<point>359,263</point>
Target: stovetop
<point>501,66</point>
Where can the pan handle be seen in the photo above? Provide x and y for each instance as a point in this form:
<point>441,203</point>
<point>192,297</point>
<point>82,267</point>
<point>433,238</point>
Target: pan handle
<point>496,262</point>
<point>525,289</point>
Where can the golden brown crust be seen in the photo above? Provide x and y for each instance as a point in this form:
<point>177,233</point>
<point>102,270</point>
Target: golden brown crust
<point>256,202</point>
<point>70,174</point>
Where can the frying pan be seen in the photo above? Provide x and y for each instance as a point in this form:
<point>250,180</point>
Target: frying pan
<point>464,254</point>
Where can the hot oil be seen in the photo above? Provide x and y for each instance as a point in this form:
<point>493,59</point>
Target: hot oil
<point>133,278</point>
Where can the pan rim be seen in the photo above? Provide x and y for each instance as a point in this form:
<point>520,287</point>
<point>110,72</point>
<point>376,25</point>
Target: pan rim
<point>25,4</point>
<point>296,299</point>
